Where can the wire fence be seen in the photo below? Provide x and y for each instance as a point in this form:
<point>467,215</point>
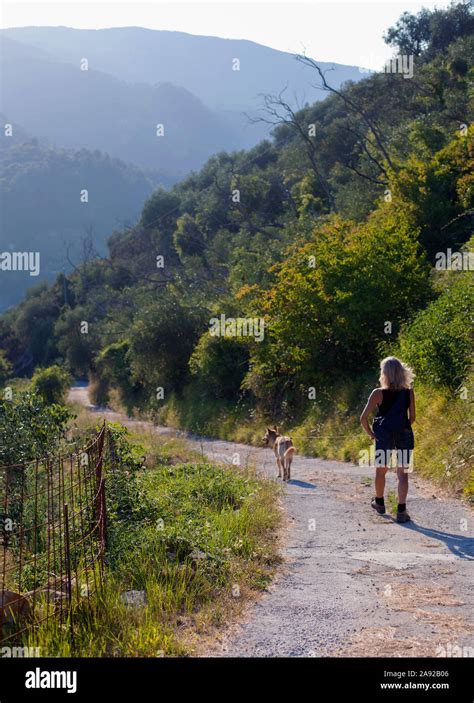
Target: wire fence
<point>53,536</point>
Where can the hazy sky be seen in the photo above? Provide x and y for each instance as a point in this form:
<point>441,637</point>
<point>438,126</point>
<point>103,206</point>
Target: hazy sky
<point>345,31</point>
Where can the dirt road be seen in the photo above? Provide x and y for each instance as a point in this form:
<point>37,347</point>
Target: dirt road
<point>354,583</point>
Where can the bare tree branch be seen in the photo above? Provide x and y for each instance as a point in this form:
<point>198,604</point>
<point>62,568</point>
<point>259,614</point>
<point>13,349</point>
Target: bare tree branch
<point>350,103</point>
<point>277,112</point>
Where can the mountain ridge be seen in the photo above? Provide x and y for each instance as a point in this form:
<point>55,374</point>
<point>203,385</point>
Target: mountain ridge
<point>193,50</point>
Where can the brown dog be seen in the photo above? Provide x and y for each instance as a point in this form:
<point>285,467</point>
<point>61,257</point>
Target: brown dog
<point>283,448</point>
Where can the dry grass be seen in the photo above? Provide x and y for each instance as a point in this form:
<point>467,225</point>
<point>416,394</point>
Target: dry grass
<point>410,596</point>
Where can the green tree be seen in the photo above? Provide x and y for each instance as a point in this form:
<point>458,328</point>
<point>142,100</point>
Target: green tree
<point>431,31</point>
<point>162,340</point>
<point>74,344</point>
<point>411,33</point>
<point>336,297</point>
<point>439,192</point>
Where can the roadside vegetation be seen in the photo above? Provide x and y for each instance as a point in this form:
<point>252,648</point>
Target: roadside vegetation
<point>437,342</point>
<point>189,542</point>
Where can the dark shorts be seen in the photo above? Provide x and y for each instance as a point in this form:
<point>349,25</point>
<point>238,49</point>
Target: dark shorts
<point>402,443</point>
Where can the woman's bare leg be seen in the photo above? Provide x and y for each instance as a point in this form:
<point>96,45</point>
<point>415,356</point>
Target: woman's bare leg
<point>380,472</point>
<point>402,485</point>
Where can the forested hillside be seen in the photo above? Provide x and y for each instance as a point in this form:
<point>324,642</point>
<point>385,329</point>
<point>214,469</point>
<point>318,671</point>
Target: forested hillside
<point>75,108</point>
<point>57,221</point>
<point>79,100</point>
<point>333,232</point>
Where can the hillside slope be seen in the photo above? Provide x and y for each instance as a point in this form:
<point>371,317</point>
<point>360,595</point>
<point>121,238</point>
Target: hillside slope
<point>76,108</point>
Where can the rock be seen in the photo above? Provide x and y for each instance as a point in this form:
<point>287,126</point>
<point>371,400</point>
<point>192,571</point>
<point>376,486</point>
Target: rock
<point>134,599</point>
<point>13,606</point>
<point>63,585</point>
<point>198,555</point>
<point>50,595</point>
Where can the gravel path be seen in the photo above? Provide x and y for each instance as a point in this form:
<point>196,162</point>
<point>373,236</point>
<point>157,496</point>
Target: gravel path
<point>354,583</point>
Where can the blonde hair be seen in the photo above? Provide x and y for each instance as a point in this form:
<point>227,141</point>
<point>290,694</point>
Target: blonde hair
<point>394,374</point>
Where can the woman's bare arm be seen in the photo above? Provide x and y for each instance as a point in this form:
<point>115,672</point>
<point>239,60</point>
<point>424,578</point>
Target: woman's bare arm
<point>375,399</point>
<point>411,409</point>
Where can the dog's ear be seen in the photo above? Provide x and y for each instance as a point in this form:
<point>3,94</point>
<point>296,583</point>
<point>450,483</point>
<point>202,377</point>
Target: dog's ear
<point>269,429</point>
<point>276,428</point>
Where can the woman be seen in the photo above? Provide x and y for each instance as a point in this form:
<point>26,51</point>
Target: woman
<point>392,429</point>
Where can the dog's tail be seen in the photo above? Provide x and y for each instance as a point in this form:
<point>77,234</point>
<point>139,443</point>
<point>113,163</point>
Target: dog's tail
<point>290,452</point>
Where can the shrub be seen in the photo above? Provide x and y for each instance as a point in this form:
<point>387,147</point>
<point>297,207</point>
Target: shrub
<point>51,384</point>
<point>162,340</point>
<point>332,298</point>
<point>99,389</point>
<point>439,193</point>
<point>113,371</point>
<point>29,427</point>
<point>438,341</point>
<point>220,364</point>
<point>5,368</point>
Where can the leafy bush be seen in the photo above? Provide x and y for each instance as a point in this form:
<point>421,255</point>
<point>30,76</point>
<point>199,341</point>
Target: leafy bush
<point>51,384</point>
<point>113,370</point>
<point>123,499</point>
<point>76,348</point>
<point>5,368</point>
<point>333,297</point>
<point>161,342</point>
<point>99,389</point>
<point>220,364</point>
<point>29,427</point>
<point>438,191</point>
<point>438,341</point>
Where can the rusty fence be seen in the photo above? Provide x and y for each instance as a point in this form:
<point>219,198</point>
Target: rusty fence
<point>53,537</point>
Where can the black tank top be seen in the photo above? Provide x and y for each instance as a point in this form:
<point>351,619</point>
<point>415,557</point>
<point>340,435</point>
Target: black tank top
<point>389,398</point>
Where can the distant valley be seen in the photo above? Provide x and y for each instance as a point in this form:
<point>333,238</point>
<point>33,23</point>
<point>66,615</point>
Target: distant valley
<point>151,107</point>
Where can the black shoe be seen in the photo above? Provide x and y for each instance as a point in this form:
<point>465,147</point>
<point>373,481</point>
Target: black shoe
<point>403,516</point>
<point>379,508</point>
